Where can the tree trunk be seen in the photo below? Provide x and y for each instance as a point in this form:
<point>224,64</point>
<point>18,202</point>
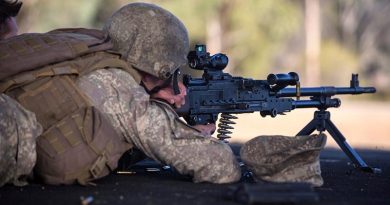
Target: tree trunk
<point>313,42</point>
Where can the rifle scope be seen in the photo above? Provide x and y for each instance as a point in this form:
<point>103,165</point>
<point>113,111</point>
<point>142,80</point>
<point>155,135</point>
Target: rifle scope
<point>200,59</point>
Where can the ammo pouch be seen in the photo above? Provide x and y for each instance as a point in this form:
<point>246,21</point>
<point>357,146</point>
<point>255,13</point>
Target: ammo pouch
<point>78,143</point>
<point>81,147</point>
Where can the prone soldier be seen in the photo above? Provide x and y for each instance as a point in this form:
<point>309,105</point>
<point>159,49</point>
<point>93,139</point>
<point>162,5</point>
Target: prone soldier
<point>92,105</point>
<point>98,94</point>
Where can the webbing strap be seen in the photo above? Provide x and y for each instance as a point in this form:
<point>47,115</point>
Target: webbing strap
<point>34,75</point>
<point>67,128</point>
<point>19,48</point>
<point>49,40</point>
<point>79,48</point>
<point>89,172</point>
<point>79,122</point>
<point>87,132</point>
<point>113,61</point>
<point>33,43</point>
<point>54,142</point>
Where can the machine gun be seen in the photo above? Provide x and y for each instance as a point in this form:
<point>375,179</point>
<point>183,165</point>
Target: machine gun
<point>220,93</point>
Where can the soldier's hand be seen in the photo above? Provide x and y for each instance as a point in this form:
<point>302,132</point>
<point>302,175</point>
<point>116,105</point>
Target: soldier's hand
<point>208,129</point>
<point>167,94</point>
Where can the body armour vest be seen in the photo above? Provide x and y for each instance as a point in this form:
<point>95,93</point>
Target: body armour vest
<point>78,143</point>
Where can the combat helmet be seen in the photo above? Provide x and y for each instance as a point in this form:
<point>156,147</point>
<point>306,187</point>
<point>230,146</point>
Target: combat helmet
<point>149,38</point>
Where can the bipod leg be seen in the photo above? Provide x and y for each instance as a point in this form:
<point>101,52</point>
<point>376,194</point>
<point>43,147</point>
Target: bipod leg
<point>348,150</point>
<point>322,122</point>
<point>309,128</point>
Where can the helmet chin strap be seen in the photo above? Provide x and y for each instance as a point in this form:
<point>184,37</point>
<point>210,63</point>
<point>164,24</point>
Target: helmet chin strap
<point>175,82</point>
<point>173,79</point>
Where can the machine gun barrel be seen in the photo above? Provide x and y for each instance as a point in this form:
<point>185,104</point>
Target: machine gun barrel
<point>325,91</point>
<point>354,89</point>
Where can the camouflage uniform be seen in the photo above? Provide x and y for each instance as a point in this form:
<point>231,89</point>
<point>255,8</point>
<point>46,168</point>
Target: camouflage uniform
<point>18,131</point>
<point>154,128</point>
<point>152,40</point>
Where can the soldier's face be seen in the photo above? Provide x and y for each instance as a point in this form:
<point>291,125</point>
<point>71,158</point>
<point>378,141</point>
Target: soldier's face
<point>166,93</point>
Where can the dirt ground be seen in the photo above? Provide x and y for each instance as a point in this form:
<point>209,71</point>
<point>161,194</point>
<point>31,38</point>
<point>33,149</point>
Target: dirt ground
<point>365,124</point>
<point>342,185</point>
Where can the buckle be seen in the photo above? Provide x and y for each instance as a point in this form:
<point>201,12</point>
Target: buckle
<point>98,165</point>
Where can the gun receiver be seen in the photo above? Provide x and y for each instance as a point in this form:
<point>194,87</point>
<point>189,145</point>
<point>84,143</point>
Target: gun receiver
<point>217,93</point>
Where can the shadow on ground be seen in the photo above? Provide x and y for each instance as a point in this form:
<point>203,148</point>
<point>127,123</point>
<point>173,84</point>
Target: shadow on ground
<point>152,184</point>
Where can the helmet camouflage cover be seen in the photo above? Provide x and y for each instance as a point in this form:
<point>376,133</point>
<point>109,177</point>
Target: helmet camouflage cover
<point>149,38</point>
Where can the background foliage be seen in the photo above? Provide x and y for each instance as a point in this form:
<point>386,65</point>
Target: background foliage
<point>259,37</point>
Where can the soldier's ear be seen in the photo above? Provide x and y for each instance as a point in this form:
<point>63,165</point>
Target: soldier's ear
<point>148,81</point>
<point>147,78</point>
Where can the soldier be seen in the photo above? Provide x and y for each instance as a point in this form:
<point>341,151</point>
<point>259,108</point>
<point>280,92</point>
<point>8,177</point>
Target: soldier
<point>115,104</point>
<point>155,44</point>
<point>93,106</point>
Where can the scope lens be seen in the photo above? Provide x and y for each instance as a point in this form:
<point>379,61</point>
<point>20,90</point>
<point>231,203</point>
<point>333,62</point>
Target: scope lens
<point>201,48</point>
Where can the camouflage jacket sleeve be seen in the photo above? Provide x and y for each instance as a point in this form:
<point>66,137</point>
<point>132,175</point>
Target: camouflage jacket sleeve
<point>155,129</point>
<point>128,106</point>
<point>18,132</point>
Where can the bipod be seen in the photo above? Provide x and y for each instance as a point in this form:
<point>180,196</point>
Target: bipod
<point>321,123</point>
